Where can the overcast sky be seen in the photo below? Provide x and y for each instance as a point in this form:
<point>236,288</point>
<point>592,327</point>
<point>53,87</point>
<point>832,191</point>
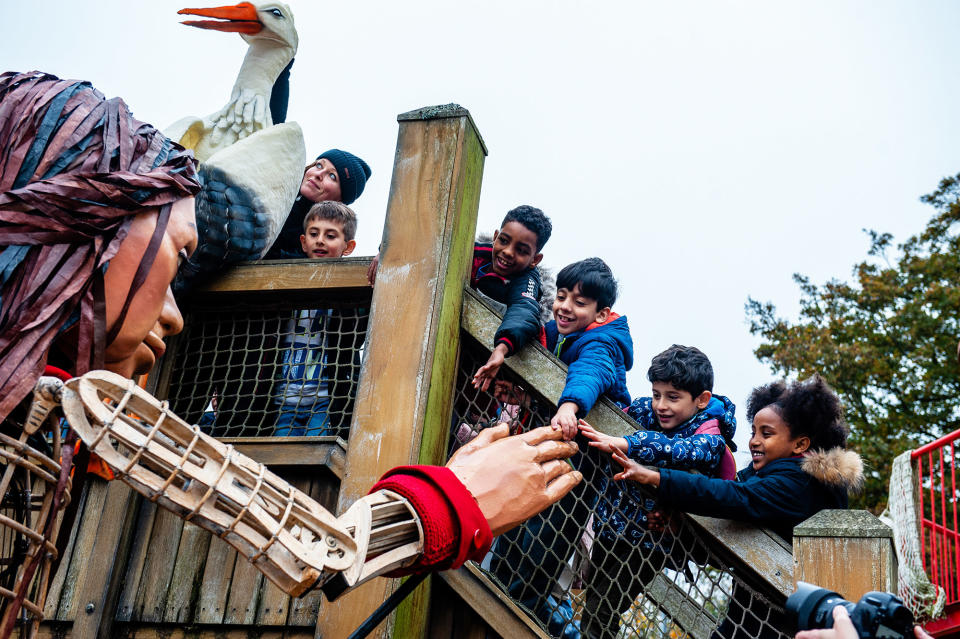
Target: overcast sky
<point>705,150</point>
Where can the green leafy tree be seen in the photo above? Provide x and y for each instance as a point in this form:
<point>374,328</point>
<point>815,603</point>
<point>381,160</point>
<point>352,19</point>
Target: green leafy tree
<point>886,342</point>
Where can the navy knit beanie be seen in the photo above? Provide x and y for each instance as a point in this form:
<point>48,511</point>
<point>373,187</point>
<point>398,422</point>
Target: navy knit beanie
<point>352,171</point>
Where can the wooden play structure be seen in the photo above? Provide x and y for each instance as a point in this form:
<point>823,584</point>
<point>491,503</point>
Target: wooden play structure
<point>132,569</point>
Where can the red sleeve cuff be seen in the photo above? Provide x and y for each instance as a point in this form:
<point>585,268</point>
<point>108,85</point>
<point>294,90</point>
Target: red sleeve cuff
<point>59,373</point>
<point>509,344</point>
<point>454,529</point>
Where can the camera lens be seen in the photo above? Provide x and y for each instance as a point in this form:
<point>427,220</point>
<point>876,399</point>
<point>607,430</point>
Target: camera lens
<point>813,606</point>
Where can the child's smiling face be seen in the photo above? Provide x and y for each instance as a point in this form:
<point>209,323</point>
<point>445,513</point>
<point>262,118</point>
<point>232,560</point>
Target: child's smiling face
<point>573,311</point>
<point>771,439</point>
<point>514,249</point>
<point>674,406</point>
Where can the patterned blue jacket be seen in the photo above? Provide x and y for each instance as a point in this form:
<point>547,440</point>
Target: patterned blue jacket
<point>622,508</point>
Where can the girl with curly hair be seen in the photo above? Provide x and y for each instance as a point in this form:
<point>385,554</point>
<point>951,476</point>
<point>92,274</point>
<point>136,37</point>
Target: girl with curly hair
<point>800,466</point>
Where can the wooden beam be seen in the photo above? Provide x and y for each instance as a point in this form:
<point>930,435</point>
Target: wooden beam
<point>760,555</point>
<point>492,604</point>
<point>292,276</point>
<point>847,551</point>
<point>330,452</point>
<point>405,395</point>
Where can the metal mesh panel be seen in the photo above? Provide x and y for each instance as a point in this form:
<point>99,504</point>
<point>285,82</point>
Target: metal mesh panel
<point>247,370</point>
<point>580,578</point>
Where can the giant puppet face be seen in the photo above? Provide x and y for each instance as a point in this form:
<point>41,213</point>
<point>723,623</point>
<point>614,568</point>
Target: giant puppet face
<point>153,313</point>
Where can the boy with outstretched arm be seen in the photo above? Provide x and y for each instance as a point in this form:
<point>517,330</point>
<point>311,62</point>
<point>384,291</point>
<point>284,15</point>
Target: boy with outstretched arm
<point>685,427</point>
<point>595,344</point>
<point>506,271</point>
<point>591,339</point>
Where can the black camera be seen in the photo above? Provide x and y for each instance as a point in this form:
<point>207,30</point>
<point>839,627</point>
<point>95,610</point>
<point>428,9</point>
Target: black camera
<point>878,615</point>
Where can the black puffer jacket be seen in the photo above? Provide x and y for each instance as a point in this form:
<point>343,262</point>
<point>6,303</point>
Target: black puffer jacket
<point>521,294</point>
<point>780,495</point>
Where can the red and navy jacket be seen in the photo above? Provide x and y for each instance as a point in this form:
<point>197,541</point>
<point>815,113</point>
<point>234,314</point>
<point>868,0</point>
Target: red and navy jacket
<point>521,294</point>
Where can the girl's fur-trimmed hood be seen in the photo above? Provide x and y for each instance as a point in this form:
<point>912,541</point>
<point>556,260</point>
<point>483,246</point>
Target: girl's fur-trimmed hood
<point>838,467</point>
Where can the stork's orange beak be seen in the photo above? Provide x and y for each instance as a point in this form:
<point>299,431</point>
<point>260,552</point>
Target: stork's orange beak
<point>240,18</point>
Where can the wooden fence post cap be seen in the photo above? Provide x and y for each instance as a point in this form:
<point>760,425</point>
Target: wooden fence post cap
<point>440,112</point>
<point>843,523</point>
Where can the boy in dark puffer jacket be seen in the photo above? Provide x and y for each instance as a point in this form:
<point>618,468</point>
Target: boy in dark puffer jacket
<point>506,271</point>
<point>800,466</point>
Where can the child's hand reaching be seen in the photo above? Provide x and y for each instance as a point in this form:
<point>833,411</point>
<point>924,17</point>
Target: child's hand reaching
<point>606,443</point>
<point>634,471</point>
<point>486,373</point>
<point>566,420</point>
<point>657,520</point>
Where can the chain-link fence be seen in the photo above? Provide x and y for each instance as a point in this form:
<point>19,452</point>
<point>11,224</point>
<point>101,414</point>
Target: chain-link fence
<point>580,574</point>
<point>244,370</point>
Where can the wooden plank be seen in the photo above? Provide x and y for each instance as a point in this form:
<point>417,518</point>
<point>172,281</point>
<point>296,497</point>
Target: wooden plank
<point>244,593</point>
<point>424,261</point>
<point>59,577</point>
<point>165,631</point>
<point>81,559</point>
<point>324,489</point>
<point>184,590</point>
<point>686,612</point>
<point>215,584</point>
<point>97,597</point>
<point>274,605</point>
<point>329,452</point>
<point>158,566</point>
<point>538,368</point>
<point>491,603</point>
<point>442,604</point>
<point>293,276</point>
<point>752,550</point>
<point>847,551</point>
<point>146,514</point>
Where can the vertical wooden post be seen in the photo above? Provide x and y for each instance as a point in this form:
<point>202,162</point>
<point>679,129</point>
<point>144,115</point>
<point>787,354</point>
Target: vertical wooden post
<point>405,397</point>
<point>847,551</point>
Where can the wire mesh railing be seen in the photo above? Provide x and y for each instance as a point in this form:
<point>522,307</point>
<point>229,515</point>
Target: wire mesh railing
<point>245,369</point>
<point>578,575</point>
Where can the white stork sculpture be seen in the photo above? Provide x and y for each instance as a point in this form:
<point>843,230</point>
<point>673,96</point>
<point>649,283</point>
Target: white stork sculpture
<point>251,168</point>
<point>269,31</point>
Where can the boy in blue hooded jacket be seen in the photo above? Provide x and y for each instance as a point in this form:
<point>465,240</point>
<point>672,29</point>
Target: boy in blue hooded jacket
<point>595,344</point>
<point>591,339</point>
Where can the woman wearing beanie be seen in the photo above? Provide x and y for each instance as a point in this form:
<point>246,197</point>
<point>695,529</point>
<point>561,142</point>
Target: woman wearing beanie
<point>335,175</point>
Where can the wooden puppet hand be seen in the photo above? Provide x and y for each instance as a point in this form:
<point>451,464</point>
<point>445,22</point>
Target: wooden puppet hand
<point>566,420</point>
<point>602,441</point>
<point>514,478</point>
<point>634,471</point>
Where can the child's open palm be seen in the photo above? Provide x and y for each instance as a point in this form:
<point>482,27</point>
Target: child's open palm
<point>602,441</point>
<point>634,471</point>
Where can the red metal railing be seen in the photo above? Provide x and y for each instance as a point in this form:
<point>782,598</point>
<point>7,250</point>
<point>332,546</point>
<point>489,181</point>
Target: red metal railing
<point>936,465</point>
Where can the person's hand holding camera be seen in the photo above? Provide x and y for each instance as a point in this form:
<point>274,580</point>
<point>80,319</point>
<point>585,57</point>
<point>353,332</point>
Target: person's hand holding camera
<point>843,629</point>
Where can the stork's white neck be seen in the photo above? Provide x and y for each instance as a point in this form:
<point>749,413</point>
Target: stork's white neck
<point>261,66</point>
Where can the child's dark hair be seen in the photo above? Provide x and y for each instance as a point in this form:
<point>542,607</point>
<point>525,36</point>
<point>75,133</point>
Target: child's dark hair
<point>594,277</point>
<point>333,212</point>
<point>686,367</point>
<point>532,218</point>
<point>810,408</point>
